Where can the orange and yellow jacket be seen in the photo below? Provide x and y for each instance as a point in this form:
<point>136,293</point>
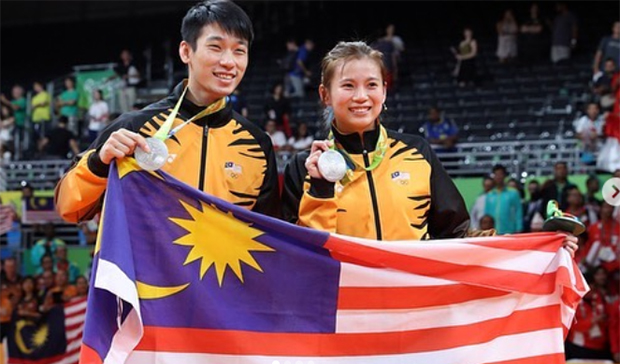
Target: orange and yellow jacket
<point>409,196</point>
<point>222,154</point>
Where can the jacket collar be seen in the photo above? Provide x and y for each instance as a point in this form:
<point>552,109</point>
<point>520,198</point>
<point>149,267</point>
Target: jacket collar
<point>189,109</point>
<point>353,144</point>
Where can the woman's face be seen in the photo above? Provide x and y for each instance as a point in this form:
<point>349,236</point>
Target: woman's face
<point>356,94</point>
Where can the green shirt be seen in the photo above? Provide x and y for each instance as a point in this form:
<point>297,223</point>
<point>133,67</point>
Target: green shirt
<point>69,110</point>
<point>20,112</point>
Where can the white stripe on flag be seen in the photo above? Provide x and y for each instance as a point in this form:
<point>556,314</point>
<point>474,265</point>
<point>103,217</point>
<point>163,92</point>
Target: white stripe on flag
<point>357,321</point>
<point>509,347</point>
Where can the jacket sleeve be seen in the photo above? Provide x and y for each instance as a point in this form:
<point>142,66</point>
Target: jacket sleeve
<point>268,201</point>
<point>79,193</point>
<point>448,216</point>
<point>315,208</point>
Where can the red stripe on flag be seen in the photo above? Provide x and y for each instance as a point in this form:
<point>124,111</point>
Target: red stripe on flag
<point>89,356</point>
<point>543,242</point>
<point>474,274</point>
<point>186,340</point>
<point>356,298</point>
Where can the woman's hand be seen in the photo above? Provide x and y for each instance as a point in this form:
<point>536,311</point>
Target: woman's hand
<point>570,243</point>
<point>318,147</point>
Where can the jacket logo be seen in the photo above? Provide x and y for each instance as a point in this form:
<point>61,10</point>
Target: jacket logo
<point>232,169</point>
<point>402,178</point>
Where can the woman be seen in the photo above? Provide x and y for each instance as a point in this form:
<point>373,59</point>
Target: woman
<point>301,140</point>
<point>395,187</point>
<point>507,30</point>
<point>98,116</point>
<point>396,176</point>
<point>278,107</point>
<point>465,71</point>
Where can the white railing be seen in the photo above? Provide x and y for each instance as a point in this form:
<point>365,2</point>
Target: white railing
<point>521,158</point>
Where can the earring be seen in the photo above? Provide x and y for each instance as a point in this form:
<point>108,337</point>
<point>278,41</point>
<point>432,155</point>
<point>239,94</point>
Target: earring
<point>384,107</point>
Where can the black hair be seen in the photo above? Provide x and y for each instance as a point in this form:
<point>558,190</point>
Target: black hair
<point>499,167</point>
<point>225,13</point>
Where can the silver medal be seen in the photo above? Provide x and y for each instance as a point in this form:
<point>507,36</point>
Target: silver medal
<point>332,165</point>
<point>156,158</point>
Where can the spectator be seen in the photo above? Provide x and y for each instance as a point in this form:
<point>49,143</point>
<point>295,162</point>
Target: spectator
<point>399,44</point>
<point>81,286</point>
<point>603,240</point>
<point>556,188</point>
<point>7,122</point>
<point>387,47</point>
<point>278,107</point>
<point>440,131</point>
<point>46,264</point>
<point>239,102</point>
<point>278,139</point>
<point>128,72</point>
<point>487,222</point>
<point>63,263</point>
<point>18,104</point>
<point>588,336</point>
<point>28,306</point>
<point>604,84</point>
<point>608,48</point>
<point>507,30</point>
<point>299,77</point>
<point>477,210</point>
<point>98,115</point>
<point>45,282</point>
<point>578,208</point>
<point>59,142</point>
<point>67,104</point>
<point>564,33</point>
<point>504,204</point>
<point>287,62</point>
<point>614,330</point>
<point>10,292</point>
<point>593,186</point>
<point>589,129</point>
<point>532,207</point>
<point>46,245</point>
<point>41,114</point>
<point>609,155</point>
<point>465,70</point>
<point>301,140</point>
<point>531,42</point>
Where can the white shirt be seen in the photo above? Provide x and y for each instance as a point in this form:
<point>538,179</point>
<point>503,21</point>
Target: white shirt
<point>278,139</point>
<point>98,115</point>
<point>588,127</point>
<point>301,144</point>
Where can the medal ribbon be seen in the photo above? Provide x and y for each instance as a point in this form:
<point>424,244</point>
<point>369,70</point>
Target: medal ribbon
<point>377,158</point>
<point>164,131</point>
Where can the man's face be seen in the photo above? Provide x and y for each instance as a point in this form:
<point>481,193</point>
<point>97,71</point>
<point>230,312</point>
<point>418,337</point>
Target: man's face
<point>560,171</point>
<point>499,176</point>
<point>217,65</point>
<point>433,115</point>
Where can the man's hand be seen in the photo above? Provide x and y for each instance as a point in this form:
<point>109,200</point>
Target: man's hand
<point>120,144</point>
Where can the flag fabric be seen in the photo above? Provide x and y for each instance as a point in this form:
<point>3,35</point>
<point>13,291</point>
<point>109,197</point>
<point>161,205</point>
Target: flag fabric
<point>40,210</point>
<point>54,339</point>
<point>182,277</point>
<point>7,216</point>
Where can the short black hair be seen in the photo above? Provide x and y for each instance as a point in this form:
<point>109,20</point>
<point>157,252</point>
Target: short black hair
<point>225,13</point>
<point>499,167</point>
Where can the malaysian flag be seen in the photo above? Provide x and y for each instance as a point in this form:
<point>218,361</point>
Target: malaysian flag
<point>183,277</point>
<point>40,210</point>
<point>54,339</point>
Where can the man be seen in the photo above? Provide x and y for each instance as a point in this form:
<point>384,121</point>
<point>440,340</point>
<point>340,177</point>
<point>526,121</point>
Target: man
<point>59,142</point>
<point>216,40</point>
<point>564,33</point>
<point>503,204</point>
<point>130,77</point>
<point>556,188</point>
<point>608,47</point>
<point>440,131</point>
<point>477,211</point>
<point>67,105</point>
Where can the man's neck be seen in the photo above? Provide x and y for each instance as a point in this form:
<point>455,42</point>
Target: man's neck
<point>198,98</point>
